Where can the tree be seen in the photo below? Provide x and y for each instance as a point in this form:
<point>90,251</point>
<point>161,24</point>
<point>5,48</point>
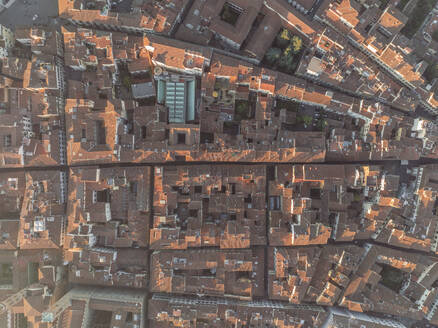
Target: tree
<point>322,124</point>
<point>288,52</point>
<point>126,81</point>
<point>283,38</point>
<point>297,44</point>
<point>241,111</point>
<point>286,62</point>
<point>273,55</point>
<point>307,119</point>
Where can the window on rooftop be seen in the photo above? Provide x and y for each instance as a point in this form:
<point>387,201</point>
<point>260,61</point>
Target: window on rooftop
<point>248,199</point>
<point>193,213</point>
<point>32,272</point>
<point>101,240</point>
<point>102,318</point>
<point>230,13</point>
<point>21,320</point>
<point>100,133</point>
<point>207,137</point>
<point>91,5</point>
<point>181,138</point>
<point>103,196</point>
<point>315,193</point>
<point>243,275</point>
<point>434,181</point>
<point>274,203</point>
<point>233,188</point>
<point>7,140</point>
<point>143,132</point>
<point>36,129</point>
<point>4,109</point>
<point>294,219</point>
<point>5,274</point>
<point>133,185</point>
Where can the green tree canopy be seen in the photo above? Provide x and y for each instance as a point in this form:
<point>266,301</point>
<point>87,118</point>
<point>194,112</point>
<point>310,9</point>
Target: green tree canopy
<point>286,62</point>
<point>288,52</point>
<point>322,124</point>
<point>297,44</point>
<point>273,55</point>
<point>283,38</point>
<point>307,119</point>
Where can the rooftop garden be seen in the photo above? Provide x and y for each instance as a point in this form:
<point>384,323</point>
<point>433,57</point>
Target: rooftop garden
<point>285,53</point>
<point>230,13</point>
<point>242,110</point>
<point>126,82</point>
<point>392,278</point>
<point>289,105</point>
<point>123,88</point>
<point>302,118</point>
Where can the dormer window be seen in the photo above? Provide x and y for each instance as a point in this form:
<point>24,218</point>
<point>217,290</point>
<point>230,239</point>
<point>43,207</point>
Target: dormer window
<point>13,183</point>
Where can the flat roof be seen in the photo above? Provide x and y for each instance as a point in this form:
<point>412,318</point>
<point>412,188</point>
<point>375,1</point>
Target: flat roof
<point>143,90</point>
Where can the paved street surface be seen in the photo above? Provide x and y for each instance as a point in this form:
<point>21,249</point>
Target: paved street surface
<point>29,12</point>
